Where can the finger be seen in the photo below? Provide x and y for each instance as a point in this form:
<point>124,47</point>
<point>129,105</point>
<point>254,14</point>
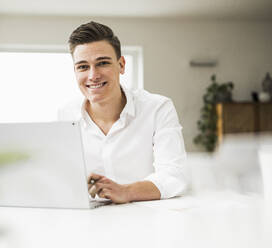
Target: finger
<point>104,193</point>
<point>100,186</point>
<point>93,191</point>
<point>105,180</point>
<point>101,194</point>
<point>94,177</point>
<point>107,194</point>
<point>90,186</point>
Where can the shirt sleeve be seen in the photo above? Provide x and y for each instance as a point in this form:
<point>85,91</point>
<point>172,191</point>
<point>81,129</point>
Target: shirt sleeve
<point>171,174</point>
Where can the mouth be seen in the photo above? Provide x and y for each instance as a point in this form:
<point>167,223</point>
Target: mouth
<point>96,86</point>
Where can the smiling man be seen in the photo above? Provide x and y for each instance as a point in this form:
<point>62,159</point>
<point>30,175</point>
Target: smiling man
<point>132,140</point>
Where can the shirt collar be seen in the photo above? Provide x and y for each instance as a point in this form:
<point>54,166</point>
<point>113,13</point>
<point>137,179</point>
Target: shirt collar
<point>85,116</point>
<point>129,108</point>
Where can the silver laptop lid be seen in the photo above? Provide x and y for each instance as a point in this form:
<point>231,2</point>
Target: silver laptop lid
<point>42,165</point>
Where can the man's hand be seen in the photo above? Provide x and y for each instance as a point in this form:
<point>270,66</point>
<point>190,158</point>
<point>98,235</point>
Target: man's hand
<point>106,188</point>
<point>122,193</point>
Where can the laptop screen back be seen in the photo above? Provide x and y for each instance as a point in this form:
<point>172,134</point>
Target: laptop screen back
<point>42,165</point>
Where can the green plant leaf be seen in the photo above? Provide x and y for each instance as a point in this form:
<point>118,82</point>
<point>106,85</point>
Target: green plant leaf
<point>207,123</point>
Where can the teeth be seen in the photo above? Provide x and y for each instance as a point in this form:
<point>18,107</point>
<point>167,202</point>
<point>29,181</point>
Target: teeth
<point>96,86</point>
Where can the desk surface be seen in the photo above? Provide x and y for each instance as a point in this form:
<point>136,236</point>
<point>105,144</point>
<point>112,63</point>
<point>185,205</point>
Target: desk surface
<point>209,220</point>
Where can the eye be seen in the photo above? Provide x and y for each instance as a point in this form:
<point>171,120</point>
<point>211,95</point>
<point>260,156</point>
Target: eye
<point>103,63</point>
<point>82,67</point>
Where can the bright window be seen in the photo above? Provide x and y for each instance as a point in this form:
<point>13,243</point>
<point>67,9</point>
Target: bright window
<point>35,85</point>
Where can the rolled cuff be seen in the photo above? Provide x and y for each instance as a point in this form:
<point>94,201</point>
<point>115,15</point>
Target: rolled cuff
<point>169,185</point>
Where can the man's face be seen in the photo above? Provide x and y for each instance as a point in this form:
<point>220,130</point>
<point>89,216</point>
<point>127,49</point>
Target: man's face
<point>97,70</point>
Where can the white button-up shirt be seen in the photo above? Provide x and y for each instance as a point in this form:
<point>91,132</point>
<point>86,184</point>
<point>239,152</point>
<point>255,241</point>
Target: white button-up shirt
<point>145,143</point>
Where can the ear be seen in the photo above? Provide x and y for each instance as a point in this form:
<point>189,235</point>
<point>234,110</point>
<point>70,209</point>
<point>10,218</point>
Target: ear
<point>122,63</point>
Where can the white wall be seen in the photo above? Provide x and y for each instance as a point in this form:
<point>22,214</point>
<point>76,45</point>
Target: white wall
<point>243,49</point>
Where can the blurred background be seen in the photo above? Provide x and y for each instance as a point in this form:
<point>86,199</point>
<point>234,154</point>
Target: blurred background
<point>173,48</point>
<point>212,58</point>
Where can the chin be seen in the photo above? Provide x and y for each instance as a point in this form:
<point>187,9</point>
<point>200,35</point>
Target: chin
<point>95,99</point>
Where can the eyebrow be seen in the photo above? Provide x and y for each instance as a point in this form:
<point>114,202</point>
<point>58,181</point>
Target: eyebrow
<point>105,57</point>
<point>97,59</point>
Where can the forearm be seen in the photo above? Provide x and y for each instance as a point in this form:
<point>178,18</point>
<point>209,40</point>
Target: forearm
<point>142,191</point>
<point>122,193</point>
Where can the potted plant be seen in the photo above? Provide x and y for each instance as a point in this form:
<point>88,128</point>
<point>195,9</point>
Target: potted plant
<point>207,124</point>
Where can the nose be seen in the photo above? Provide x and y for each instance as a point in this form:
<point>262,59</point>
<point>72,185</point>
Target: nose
<point>94,74</point>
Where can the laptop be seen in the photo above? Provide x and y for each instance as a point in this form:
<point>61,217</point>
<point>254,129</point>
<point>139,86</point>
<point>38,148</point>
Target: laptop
<point>43,165</point>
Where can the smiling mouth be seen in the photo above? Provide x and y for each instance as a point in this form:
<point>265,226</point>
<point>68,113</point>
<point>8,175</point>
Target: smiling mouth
<point>96,86</point>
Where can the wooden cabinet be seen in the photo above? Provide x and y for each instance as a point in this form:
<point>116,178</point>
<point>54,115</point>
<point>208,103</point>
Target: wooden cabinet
<point>243,117</point>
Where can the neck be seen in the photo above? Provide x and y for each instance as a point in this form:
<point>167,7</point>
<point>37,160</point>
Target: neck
<point>109,111</point>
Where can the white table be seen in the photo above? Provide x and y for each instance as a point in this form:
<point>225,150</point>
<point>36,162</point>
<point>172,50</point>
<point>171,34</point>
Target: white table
<point>214,219</point>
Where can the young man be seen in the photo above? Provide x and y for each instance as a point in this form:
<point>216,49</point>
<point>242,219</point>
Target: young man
<point>132,140</point>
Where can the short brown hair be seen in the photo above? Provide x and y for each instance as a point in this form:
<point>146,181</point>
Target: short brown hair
<point>91,32</point>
